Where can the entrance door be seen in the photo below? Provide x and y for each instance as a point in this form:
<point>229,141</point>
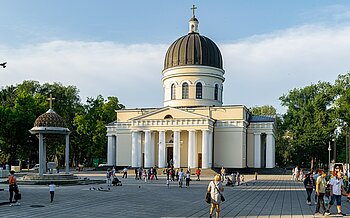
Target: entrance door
<point>169,154</point>
<point>200,160</point>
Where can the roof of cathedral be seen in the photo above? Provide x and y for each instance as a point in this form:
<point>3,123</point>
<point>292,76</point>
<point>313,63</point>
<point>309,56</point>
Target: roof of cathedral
<point>193,49</point>
<point>49,119</point>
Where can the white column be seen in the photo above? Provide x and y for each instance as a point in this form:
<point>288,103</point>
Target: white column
<point>205,149</point>
<point>192,149</point>
<point>110,150</point>
<point>139,149</point>
<point>41,154</point>
<point>257,150</point>
<point>148,148</point>
<point>269,150</point>
<point>134,148</point>
<point>176,149</point>
<point>44,158</point>
<point>114,150</point>
<point>161,150</point>
<point>152,148</point>
<point>210,149</point>
<point>67,154</point>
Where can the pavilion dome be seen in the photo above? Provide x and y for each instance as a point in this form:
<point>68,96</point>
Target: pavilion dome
<point>50,119</point>
<point>193,49</point>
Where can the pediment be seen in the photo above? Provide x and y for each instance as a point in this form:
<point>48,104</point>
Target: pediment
<point>170,113</point>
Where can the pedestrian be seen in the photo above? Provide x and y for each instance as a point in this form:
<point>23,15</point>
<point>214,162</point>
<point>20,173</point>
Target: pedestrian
<point>52,190</point>
<point>140,172</point>
<point>172,174</point>
<point>293,174</point>
<point>171,162</point>
<point>337,188</point>
<point>215,188</point>
<point>108,177</point>
<point>181,177</point>
<point>320,190</point>
<point>223,173</point>
<point>13,188</point>
<point>301,175</point>
<point>155,172</point>
<point>309,186</point>
<point>198,173</point>
<point>125,172</point>
<point>188,178</point>
<point>296,172</point>
<point>315,176</point>
<point>233,178</point>
<point>177,174</point>
<point>238,178</point>
<point>144,174</point>
<point>136,173</point>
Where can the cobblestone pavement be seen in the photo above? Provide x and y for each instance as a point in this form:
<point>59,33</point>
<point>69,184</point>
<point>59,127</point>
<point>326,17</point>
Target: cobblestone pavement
<point>270,196</point>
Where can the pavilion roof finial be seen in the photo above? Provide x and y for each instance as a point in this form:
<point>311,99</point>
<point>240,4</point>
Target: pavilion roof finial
<point>50,100</point>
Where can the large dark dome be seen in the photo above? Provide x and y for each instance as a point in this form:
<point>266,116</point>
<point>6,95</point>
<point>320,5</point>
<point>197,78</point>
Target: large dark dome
<point>193,49</point>
<point>49,119</point>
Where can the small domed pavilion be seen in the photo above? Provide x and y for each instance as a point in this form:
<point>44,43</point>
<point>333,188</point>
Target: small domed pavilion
<point>50,127</point>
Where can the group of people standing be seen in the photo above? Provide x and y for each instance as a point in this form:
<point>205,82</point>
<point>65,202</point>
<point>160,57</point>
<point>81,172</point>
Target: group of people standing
<point>328,191</point>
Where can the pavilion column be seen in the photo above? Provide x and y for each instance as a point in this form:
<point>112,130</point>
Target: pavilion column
<point>110,150</point>
<point>161,150</point>
<point>67,154</point>
<point>270,142</point>
<point>176,149</point>
<point>205,149</point>
<point>192,151</point>
<point>134,148</point>
<point>44,158</point>
<point>41,154</point>
<point>152,148</point>
<point>148,148</point>
<point>257,150</point>
<point>139,149</point>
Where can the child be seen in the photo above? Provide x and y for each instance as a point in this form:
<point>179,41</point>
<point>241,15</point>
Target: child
<point>144,174</point>
<point>52,190</point>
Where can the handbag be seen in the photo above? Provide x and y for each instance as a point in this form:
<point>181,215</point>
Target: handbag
<point>221,195</point>
<point>18,196</point>
<point>208,197</point>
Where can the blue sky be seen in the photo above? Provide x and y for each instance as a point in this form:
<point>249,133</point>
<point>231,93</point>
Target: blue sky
<point>117,47</point>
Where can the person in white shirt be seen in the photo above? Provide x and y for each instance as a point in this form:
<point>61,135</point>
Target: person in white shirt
<point>181,177</point>
<point>52,188</point>
<point>337,188</point>
<point>188,178</point>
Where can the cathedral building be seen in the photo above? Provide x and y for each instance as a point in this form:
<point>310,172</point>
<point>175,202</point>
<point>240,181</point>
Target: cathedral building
<point>194,128</point>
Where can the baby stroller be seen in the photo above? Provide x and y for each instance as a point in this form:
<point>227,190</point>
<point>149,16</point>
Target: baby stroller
<point>228,181</point>
<point>116,182</point>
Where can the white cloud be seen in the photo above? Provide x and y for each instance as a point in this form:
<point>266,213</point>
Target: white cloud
<point>258,69</point>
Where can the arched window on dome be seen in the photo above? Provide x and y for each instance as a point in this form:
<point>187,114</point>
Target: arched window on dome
<point>199,90</point>
<point>216,92</point>
<point>173,91</point>
<point>185,90</point>
<point>168,117</point>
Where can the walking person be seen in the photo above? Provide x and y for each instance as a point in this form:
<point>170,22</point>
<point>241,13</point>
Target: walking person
<point>13,188</point>
<point>136,173</point>
<point>108,177</point>
<point>155,172</point>
<point>309,186</point>
<point>320,192</point>
<point>188,178</point>
<point>52,188</point>
<point>238,179</point>
<point>215,188</point>
<point>234,180</point>
<point>315,176</point>
<point>223,173</point>
<point>296,171</point>
<point>198,173</point>
<point>177,174</point>
<point>125,172</point>
<point>181,176</point>
<point>337,188</point>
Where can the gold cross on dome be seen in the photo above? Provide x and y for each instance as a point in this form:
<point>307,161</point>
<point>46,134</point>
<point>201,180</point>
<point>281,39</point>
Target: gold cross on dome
<point>193,10</point>
<point>51,99</point>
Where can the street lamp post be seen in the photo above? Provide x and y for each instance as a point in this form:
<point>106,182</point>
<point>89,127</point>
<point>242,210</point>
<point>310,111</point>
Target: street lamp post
<point>329,157</point>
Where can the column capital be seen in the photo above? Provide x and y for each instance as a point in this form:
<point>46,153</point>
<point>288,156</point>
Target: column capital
<point>191,130</point>
<point>257,133</point>
<point>177,130</point>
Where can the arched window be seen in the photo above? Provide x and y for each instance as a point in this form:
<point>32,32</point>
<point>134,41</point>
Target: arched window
<point>199,90</point>
<point>216,92</point>
<point>168,117</point>
<point>185,90</point>
<point>173,89</point>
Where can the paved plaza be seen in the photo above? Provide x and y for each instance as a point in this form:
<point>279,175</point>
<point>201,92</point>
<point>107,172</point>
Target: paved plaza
<point>270,196</point>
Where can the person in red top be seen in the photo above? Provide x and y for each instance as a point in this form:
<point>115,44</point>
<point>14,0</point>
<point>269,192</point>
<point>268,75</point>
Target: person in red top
<point>12,185</point>
<point>198,173</point>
